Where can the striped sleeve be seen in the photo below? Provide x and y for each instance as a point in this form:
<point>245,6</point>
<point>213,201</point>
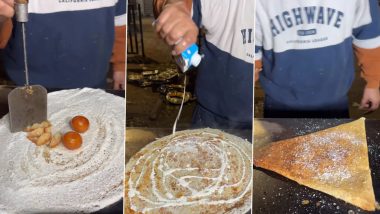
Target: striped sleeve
<point>258,46</point>
<point>206,13</point>
<point>119,47</point>
<point>120,13</point>
<point>369,64</point>
<point>259,38</point>
<point>366,32</point>
<point>366,35</point>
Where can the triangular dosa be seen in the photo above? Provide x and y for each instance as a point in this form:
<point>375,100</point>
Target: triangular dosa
<point>334,161</point>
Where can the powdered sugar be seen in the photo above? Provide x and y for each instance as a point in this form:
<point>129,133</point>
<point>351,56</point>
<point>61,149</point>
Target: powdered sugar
<point>332,174</point>
<point>332,152</point>
<point>331,137</point>
<point>37,179</point>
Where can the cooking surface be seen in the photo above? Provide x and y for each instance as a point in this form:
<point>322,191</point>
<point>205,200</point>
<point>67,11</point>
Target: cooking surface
<point>273,193</point>
<point>114,208</point>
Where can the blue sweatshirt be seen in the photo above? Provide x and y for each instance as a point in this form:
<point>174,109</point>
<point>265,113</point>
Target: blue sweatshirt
<point>306,48</point>
<point>69,42</point>
<point>224,82</point>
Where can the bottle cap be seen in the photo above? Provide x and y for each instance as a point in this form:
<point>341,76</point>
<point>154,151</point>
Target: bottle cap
<point>196,59</point>
<point>21,11</point>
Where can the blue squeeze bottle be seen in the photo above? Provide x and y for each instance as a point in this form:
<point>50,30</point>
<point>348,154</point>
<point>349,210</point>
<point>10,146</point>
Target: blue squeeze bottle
<point>189,57</point>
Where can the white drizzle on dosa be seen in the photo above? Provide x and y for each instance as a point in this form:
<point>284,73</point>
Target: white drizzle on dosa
<point>177,163</point>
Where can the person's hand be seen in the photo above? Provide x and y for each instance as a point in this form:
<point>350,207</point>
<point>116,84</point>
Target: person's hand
<point>119,80</point>
<point>371,99</point>
<point>176,27</point>
<point>6,9</point>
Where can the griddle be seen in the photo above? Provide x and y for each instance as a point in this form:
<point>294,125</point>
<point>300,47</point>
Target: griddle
<point>273,193</point>
<point>116,208</point>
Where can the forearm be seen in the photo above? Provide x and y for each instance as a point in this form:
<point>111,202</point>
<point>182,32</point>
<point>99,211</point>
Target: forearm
<point>158,5</point>
<point>118,55</point>
<point>5,32</point>
<point>6,13</point>
<point>369,63</point>
<point>258,68</point>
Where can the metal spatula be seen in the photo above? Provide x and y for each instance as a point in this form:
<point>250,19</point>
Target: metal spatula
<point>28,104</point>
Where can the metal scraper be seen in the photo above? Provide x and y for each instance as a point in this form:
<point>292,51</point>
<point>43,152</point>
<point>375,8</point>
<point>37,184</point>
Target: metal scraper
<point>28,104</point>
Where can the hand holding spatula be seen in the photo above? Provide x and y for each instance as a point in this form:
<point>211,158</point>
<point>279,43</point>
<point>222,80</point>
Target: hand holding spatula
<point>28,104</point>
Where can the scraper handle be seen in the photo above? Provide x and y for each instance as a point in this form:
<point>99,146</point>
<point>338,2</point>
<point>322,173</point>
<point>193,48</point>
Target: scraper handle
<point>21,10</point>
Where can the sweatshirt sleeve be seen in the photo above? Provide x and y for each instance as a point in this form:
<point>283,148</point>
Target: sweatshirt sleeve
<point>258,47</point>
<point>118,54</point>
<point>366,40</point>
<point>203,13</point>
<point>369,64</point>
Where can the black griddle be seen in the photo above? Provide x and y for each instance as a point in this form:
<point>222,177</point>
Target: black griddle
<point>273,193</point>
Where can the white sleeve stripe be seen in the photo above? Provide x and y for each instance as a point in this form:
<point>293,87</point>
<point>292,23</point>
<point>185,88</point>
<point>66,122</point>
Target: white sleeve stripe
<point>368,43</point>
<point>42,7</point>
<point>121,20</point>
<point>258,56</point>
